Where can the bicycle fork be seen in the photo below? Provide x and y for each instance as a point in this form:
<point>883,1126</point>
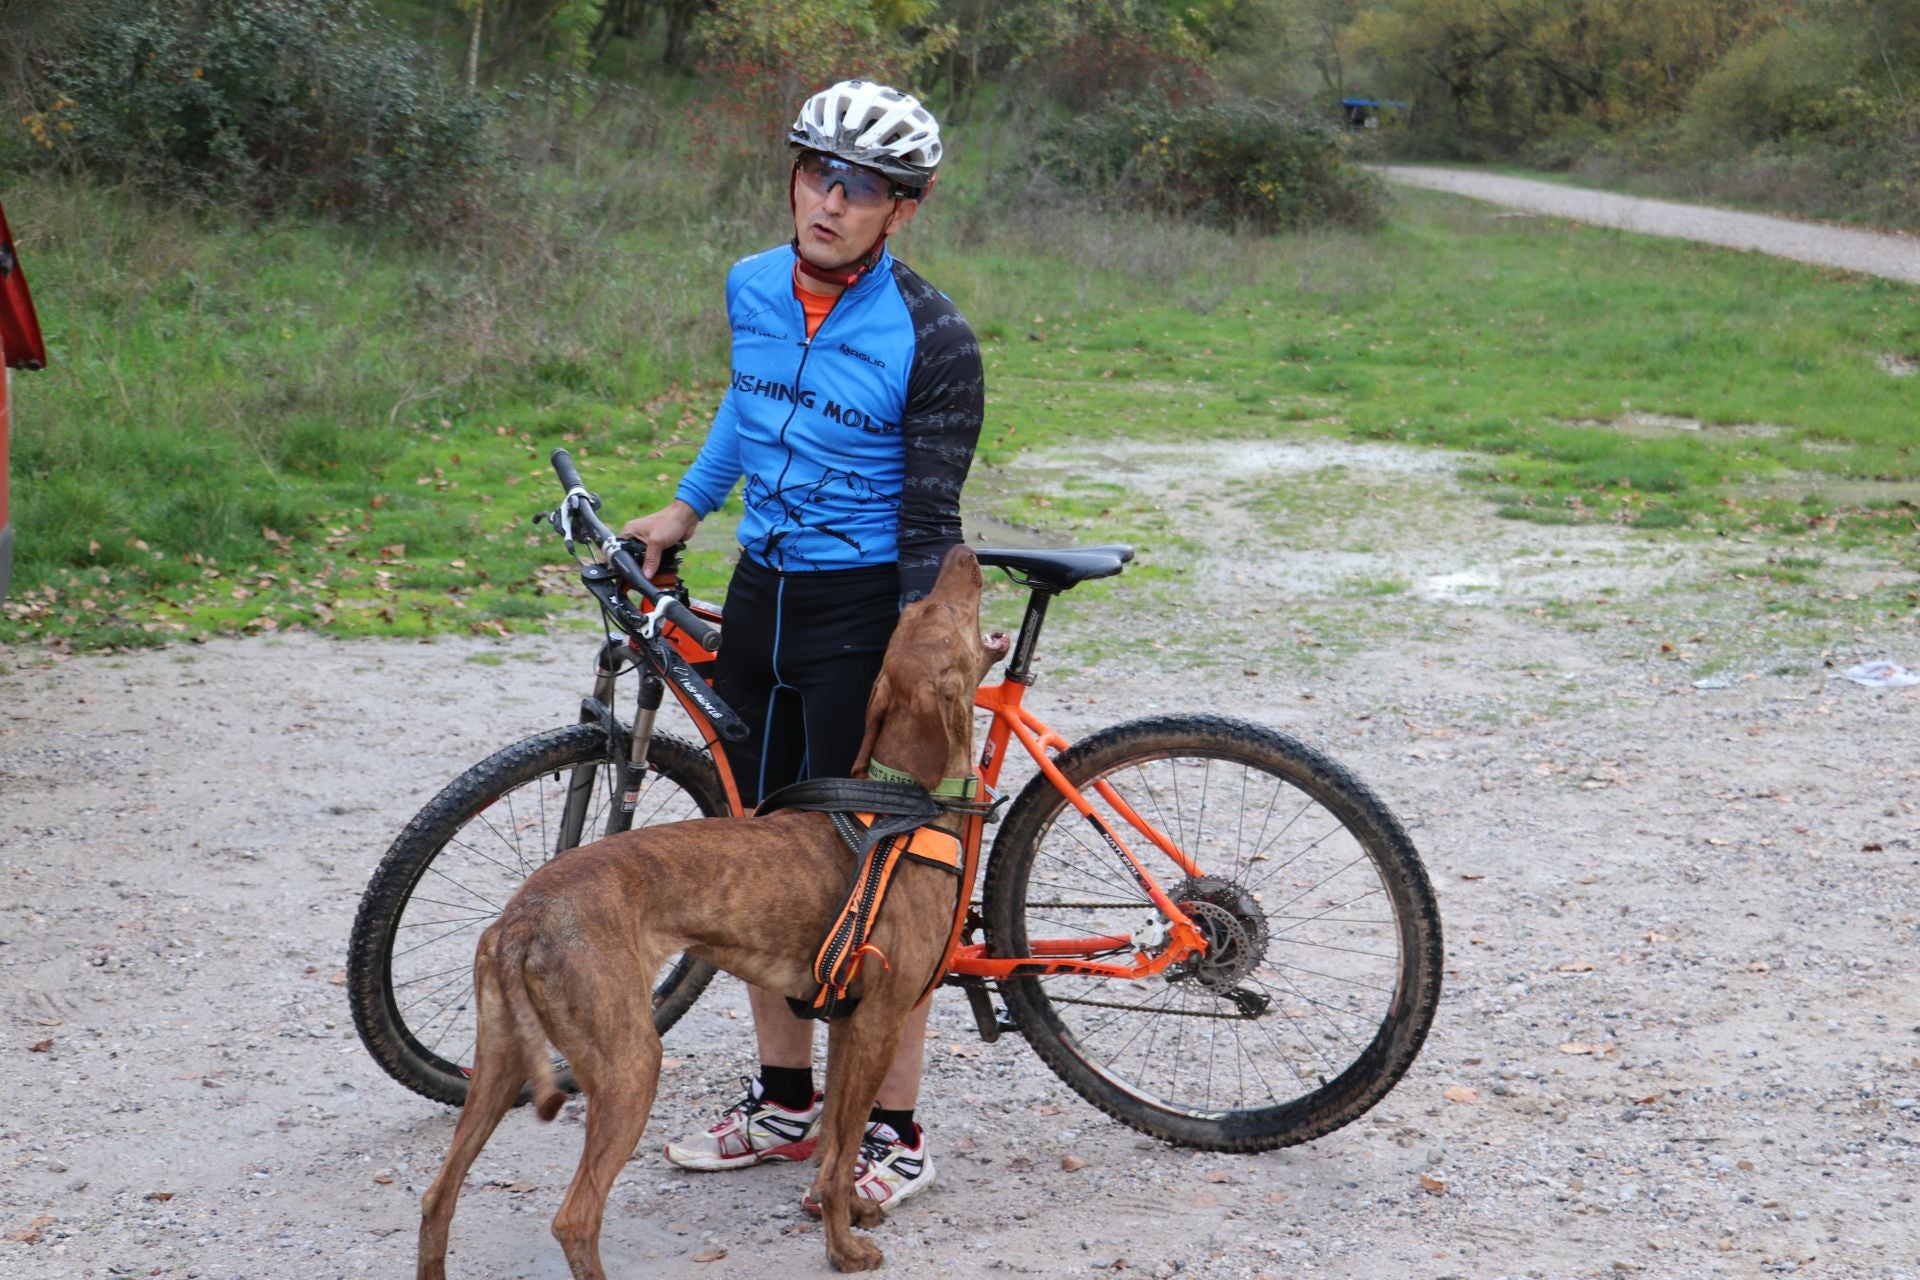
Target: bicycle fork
<point>629,774</point>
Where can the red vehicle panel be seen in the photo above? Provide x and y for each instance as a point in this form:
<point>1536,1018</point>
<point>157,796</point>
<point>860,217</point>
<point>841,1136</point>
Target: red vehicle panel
<point>21,347</point>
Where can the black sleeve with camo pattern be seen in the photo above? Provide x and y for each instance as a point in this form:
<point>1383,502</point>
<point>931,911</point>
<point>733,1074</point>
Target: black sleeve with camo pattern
<point>946,401</point>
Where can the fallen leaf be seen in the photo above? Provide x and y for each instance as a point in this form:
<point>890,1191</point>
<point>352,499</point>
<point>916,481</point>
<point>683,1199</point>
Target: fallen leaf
<point>1471,875</point>
<point>384,1179</point>
<point>40,1046</point>
<point>710,1255</point>
<point>1460,1093</point>
<point>1432,1185</point>
<point>162,1196</point>
<point>1577,966</point>
<point>1072,1164</point>
<point>795,1228</point>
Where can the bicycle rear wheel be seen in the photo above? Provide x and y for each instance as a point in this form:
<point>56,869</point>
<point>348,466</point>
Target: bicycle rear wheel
<point>1324,957</point>
<point>447,875</point>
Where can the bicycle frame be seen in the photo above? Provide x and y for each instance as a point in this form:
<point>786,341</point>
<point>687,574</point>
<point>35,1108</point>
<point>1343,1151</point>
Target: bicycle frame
<point>1012,722</point>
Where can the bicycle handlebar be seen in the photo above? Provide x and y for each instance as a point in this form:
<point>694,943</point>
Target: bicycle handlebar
<point>569,474</point>
<point>577,513</point>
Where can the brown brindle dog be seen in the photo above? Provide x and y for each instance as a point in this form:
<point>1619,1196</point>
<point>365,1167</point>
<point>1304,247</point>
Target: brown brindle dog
<point>570,960</point>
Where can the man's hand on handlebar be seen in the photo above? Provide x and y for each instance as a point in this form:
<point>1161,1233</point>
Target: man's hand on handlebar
<point>667,527</point>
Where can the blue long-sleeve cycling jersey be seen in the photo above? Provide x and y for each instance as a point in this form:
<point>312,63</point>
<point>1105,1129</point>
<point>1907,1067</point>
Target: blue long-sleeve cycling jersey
<point>854,445</point>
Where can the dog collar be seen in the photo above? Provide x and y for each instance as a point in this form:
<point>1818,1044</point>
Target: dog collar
<point>959,788</point>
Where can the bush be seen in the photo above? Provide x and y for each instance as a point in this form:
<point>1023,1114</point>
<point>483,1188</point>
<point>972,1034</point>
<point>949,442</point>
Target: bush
<point>764,58</point>
<point>1796,78</point>
<point>1230,164</point>
<point>1093,68</point>
<point>274,105</point>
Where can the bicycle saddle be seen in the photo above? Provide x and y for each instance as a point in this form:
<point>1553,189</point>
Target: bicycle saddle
<point>1057,570</point>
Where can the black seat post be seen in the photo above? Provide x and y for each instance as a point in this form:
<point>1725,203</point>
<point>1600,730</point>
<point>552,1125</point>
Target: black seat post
<point>1020,664</point>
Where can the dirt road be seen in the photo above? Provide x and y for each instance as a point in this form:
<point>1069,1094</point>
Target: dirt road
<point>1873,253</point>
<point>1678,861</point>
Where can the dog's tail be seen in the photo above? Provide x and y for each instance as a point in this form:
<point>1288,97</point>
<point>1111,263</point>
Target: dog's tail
<point>509,956</point>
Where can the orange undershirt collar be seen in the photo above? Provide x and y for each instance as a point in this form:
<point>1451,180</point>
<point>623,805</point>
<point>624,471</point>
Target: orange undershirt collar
<point>815,305</point>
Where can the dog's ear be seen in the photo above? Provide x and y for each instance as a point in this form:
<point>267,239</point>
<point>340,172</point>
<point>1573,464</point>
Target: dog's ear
<point>877,704</point>
<point>922,749</point>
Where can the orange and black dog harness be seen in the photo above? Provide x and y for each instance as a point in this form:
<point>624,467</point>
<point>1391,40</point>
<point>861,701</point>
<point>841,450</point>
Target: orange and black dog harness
<point>883,823</point>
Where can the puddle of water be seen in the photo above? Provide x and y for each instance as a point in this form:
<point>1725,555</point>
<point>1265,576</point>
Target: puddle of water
<point>1215,458</point>
<point>983,530</point>
<point>1485,560</point>
<point>1837,491</point>
<point>1653,426</point>
<point>1456,586</point>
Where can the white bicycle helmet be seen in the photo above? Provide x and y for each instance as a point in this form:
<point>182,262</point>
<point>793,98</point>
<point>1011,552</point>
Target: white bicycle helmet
<point>873,125</point>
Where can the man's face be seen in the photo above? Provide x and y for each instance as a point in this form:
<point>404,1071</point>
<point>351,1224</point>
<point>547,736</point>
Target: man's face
<point>840,210</point>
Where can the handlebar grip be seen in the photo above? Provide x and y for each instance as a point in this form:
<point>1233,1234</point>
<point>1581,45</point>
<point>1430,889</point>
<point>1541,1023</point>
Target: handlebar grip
<point>704,633</point>
<point>564,468</point>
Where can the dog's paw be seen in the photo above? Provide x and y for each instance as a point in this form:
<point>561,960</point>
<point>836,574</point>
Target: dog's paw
<point>859,1255</point>
<point>865,1213</point>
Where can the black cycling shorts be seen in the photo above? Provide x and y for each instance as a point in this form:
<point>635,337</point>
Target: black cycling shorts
<point>801,654</point>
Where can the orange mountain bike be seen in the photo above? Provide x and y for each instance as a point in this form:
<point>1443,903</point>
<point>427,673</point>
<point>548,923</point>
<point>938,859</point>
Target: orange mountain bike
<point>1206,928</point>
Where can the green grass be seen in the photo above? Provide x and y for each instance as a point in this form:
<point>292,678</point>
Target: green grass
<point>251,429</point>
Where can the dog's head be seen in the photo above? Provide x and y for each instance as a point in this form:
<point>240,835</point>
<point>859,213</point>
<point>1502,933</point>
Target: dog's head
<point>920,716</point>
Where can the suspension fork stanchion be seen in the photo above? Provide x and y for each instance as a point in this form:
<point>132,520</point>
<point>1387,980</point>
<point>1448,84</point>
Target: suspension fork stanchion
<point>633,776</point>
<point>595,708</point>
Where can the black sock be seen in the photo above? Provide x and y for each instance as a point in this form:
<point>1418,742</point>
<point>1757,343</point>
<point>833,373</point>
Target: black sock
<point>901,1122</point>
<point>790,1087</point>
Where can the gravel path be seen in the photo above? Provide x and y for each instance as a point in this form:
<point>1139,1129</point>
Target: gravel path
<point>1896,257</point>
<point>1676,859</point>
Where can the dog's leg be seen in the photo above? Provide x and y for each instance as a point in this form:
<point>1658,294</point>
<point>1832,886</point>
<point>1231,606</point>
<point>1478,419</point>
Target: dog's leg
<point>499,1069</point>
<point>858,1051</point>
<point>618,1069</point>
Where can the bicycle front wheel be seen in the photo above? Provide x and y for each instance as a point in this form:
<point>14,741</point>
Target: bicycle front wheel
<point>448,874</point>
<point>1323,960</point>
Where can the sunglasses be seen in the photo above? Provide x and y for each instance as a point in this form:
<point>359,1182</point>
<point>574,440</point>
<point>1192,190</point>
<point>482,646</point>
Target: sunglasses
<point>862,187</point>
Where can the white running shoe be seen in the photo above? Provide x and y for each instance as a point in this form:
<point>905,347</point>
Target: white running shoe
<point>753,1131</point>
<point>887,1170</point>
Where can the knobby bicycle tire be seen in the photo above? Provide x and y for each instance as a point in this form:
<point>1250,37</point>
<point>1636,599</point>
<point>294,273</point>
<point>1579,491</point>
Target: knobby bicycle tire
<point>447,875</point>
<point>1324,960</point>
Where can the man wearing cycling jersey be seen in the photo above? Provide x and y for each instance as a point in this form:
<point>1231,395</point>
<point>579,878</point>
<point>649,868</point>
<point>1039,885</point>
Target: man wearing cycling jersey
<point>852,413</point>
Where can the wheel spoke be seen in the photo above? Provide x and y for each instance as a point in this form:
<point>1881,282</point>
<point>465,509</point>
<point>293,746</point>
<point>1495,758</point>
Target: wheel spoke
<point>455,868</point>
<point>1238,1045</point>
